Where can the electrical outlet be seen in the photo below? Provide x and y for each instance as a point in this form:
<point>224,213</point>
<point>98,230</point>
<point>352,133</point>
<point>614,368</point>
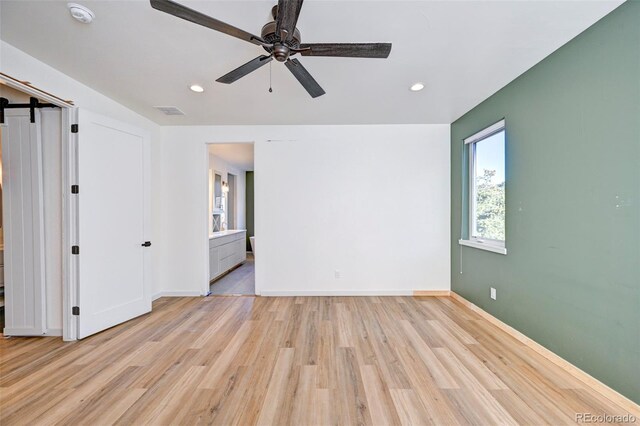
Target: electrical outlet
<point>336,274</point>
<point>493,293</point>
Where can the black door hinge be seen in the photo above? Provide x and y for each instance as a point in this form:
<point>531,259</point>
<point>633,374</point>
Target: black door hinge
<point>75,310</point>
<point>75,189</point>
<point>74,128</point>
<point>75,249</point>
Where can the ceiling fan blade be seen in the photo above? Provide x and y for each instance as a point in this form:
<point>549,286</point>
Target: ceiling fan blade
<point>351,50</point>
<point>245,69</point>
<point>287,17</point>
<point>176,9</point>
<point>303,76</point>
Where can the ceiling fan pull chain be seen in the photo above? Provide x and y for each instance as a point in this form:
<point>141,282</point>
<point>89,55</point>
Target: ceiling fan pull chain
<point>270,89</point>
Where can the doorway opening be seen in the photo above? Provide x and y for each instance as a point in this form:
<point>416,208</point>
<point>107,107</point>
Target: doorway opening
<point>230,219</point>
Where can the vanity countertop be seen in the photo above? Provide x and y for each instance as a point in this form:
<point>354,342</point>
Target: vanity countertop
<point>225,233</point>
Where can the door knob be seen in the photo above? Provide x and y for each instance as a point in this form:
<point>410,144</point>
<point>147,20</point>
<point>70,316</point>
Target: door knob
<point>146,244</point>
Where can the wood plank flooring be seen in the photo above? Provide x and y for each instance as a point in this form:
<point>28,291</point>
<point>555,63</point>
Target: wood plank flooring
<point>296,360</point>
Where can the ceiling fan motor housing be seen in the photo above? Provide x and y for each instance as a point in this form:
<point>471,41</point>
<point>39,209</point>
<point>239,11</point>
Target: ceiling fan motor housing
<point>280,50</point>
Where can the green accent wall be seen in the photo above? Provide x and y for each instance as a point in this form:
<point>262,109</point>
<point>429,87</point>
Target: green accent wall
<point>571,278</point>
<point>249,207</point>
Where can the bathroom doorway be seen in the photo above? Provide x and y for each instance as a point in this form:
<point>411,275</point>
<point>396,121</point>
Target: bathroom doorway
<point>230,201</point>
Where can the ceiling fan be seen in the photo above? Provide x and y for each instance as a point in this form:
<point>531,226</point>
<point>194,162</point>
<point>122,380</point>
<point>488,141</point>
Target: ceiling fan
<point>281,39</point>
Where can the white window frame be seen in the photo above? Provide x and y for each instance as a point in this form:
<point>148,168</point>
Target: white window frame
<point>496,246</point>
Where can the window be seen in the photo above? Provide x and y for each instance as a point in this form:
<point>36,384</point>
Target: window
<point>486,190</point>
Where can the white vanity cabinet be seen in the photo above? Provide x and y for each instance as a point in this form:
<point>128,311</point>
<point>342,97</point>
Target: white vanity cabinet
<point>227,249</point>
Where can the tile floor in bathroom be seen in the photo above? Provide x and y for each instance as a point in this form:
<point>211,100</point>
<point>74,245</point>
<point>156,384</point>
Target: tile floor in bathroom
<point>240,281</point>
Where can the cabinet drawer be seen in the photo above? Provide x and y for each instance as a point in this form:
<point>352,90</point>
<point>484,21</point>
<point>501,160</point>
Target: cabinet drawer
<point>226,264</point>
<point>226,250</point>
<point>219,241</point>
<point>226,239</point>
<point>239,252</point>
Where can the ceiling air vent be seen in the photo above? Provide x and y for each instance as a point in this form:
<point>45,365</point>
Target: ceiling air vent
<point>169,110</point>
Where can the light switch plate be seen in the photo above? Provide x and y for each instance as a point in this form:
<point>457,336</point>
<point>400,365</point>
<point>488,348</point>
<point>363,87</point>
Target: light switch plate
<point>493,293</point>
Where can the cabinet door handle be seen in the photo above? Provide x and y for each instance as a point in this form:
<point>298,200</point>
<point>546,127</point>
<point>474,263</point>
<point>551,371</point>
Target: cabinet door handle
<point>146,244</point>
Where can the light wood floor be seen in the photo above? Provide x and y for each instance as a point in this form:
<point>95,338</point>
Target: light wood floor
<point>301,361</point>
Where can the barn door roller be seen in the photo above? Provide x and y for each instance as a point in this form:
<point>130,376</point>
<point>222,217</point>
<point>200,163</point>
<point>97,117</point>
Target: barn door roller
<point>32,105</point>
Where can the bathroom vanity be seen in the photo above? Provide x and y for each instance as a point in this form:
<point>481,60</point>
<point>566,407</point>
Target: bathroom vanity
<point>227,249</point>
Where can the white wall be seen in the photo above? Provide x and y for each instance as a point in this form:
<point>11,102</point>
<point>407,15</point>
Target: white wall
<point>20,65</point>
<point>370,201</point>
<point>224,168</point>
<point>386,229</point>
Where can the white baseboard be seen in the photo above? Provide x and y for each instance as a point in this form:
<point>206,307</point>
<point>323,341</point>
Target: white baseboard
<point>19,332</point>
<point>338,293</point>
<point>576,372</point>
<point>176,294</point>
<point>432,293</point>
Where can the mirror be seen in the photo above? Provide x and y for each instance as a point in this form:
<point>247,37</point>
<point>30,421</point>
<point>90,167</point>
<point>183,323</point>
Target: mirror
<point>219,204</point>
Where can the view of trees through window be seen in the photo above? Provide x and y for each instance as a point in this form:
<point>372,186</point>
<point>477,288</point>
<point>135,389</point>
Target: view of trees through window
<point>489,188</point>
<point>489,206</point>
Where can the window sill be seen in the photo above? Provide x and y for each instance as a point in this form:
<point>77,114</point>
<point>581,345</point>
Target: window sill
<point>483,246</point>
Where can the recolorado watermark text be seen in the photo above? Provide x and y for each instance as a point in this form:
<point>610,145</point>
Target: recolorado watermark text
<point>605,418</point>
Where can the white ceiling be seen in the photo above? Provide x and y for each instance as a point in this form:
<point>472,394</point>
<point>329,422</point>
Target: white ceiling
<point>463,51</point>
<point>239,155</point>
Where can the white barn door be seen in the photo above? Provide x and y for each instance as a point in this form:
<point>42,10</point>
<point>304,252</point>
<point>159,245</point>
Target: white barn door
<point>113,223</point>
<point>23,225</point>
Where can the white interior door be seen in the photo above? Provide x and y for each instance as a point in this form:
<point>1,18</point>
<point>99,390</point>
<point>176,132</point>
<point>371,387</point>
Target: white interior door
<point>23,225</point>
<point>113,223</point>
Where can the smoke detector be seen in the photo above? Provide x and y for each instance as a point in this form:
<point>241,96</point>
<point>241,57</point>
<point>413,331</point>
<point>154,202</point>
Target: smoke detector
<point>81,13</point>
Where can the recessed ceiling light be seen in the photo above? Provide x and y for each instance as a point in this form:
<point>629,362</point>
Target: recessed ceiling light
<point>416,87</point>
<point>197,88</point>
<point>81,13</point>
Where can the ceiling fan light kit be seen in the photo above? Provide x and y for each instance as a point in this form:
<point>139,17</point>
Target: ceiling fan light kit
<point>280,39</point>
